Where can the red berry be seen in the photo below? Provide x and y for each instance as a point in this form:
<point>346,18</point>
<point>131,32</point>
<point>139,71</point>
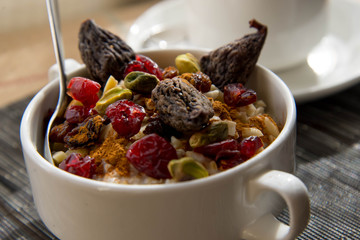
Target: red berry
<point>228,163</point>
<point>84,90</point>
<point>77,114</point>
<point>225,153</point>
<point>151,155</point>
<point>236,95</point>
<point>150,66</point>
<point>211,150</point>
<point>228,154</point>
<point>249,146</point>
<point>126,117</point>
<point>134,65</point>
<point>76,164</point>
<point>144,64</point>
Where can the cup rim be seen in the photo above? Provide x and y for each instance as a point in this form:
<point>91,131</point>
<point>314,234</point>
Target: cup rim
<point>29,147</point>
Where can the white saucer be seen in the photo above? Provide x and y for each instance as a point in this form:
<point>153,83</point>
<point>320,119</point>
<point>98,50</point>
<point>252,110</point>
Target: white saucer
<point>333,65</point>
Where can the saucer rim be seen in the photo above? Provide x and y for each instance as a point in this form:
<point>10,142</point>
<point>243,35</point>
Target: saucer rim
<point>301,95</point>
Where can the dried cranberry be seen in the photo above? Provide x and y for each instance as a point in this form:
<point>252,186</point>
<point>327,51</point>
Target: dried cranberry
<point>229,153</point>
<point>144,64</point>
<point>151,155</point>
<point>225,153</point>
<point>134,65</point>
<point>150,66</point>
<point>236,95</point>
<point>76,164</point>
<point>126,117</point>
<point>84,90</point>
<point>213,149</point>
<point>226,159</point>
<point>227,163</point>
<point>77,114</point>
<point>249,146</point>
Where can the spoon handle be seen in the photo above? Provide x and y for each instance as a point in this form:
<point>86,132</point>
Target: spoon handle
<point>54,20</point>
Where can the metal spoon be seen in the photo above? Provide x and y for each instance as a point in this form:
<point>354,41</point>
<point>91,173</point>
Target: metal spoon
<point>54,20</point>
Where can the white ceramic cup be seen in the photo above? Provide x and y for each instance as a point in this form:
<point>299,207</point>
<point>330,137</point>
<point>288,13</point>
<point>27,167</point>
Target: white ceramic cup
<point>294,26</point>
<point>235,204</point>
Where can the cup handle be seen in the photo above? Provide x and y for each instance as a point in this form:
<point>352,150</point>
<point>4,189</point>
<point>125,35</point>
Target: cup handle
<point>295,194</point>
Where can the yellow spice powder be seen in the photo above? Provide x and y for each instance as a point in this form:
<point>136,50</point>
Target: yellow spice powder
<point>113,151</point>
<point>221,110</point>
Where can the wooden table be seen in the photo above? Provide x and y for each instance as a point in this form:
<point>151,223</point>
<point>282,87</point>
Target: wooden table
<point>27,54</point>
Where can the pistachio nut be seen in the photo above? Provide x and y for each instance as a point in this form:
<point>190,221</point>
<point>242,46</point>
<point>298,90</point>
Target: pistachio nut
<point>186,168</point>
<point>140,82</point>
<point>74,103</point>
<point>58,146</point>
<point>217,131</point>
<point>187,63</point>
<point>83,151</point>
<point>110,97</point>
<point>110,83</point>
<point>58,157</point>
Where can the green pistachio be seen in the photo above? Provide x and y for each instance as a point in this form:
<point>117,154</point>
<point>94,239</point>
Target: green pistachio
<point>140,82</point>
<point>217,131</point>
<point>186,168</point>
<point>110,83</point>
<point>187,63</point>
<point>58,157</point>
<point>110,97</point>
<point>82,151</point>
<point>57,146</point>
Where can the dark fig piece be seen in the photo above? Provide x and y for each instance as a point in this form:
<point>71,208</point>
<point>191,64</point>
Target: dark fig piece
<point>103,52</point>
<point>181,106</point>
<point>234,62</point>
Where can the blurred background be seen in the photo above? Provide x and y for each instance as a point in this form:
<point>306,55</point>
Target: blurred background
<point>26,50</point>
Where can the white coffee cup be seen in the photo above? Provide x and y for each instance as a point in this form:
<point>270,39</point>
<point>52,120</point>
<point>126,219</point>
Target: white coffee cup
<point>294,26</point>
<point>237,203</point>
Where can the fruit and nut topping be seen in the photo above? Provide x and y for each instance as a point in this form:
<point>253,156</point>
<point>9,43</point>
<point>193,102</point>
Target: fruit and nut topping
<point>134,122</point>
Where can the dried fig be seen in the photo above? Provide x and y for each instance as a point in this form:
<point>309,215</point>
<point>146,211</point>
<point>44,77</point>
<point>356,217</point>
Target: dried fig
<point>234,62</point>
<point>181,106</point>
<point>103,52</point>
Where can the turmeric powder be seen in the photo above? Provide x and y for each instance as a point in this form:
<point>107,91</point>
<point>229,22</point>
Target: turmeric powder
<point>221,110</point>
<point>113,151</point>
<point>240,125</point>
